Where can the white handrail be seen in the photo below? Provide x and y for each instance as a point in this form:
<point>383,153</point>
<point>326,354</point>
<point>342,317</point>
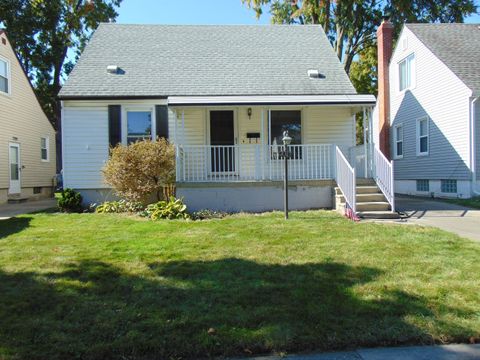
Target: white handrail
<point>384,176</point>
<point>346,179</point>
<point>253,162</point>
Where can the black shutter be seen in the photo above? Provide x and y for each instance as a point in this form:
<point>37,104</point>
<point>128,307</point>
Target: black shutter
<point>162,121</point>
<point>114,124</point>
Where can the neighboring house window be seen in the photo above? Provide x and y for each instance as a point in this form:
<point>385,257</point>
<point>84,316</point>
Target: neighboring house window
<point>449,186</point>
<point>286,120</point>
<point>423,185</point>
<point>398,141</point>
<point>4,77</point>
<point>405,72</point>
<point>422,136</point>
<point>44,149</point>
<point>139,126</point>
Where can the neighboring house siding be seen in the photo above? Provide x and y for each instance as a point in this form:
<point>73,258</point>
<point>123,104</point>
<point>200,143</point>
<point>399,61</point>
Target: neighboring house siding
<point>22,121</point>
<point>85,146</point>
<point>440,95</point>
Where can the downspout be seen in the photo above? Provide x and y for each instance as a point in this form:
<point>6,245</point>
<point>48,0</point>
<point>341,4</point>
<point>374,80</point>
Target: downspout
<point>473,147</point>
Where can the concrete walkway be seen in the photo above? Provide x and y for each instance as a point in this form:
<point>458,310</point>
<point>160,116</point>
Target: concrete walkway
<point>450,217</point>
<point>10,210</point>
<point>444,352</point>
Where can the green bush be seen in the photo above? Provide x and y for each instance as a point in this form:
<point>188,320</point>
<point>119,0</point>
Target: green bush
<point>70,201</point>
<point>121,206</point>
<point>171,209</point>
<point>206,214</point>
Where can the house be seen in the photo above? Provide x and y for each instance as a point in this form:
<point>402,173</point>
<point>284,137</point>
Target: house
<point>27,139</point>
<point>223,95</point>
<point>428,110</point>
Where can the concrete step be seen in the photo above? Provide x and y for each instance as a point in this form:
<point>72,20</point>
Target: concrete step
<point>362,190</point>
<point>378,215</point>
<point>373,206</point>
<point>369,197</point>
<point>17,200</point>
<point>365,182</point>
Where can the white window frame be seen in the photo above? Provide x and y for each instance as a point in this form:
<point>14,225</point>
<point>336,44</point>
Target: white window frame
<point>418,137</point>
<point>9,77</point>
<point>411,58</point>
<point>137,108</point>
<point>47,147</point>
<point>396,141</point>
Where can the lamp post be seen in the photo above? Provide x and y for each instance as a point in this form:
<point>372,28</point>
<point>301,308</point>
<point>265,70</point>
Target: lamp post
<point>287,140</point>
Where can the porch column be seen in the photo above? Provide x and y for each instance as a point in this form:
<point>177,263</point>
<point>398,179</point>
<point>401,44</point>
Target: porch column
<point>365,144</point>
<point>262,142</point>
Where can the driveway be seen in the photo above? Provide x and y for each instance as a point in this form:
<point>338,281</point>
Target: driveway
<point>10,210</point>
<point>458,219</point>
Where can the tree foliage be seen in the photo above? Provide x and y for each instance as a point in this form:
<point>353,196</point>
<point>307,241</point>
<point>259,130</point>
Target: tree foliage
<point>48,36</point>
<point>351,24</point>
<point>141,169</point>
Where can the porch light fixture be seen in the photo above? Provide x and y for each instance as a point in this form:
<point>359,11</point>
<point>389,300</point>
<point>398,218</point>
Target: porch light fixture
<point>249,113</point>
<point>287,140</point>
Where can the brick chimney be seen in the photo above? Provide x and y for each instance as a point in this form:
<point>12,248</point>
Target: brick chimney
<point>384,40</point>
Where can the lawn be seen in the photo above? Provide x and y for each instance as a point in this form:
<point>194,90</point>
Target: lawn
<point>473,202</point>
<point>109,286</point>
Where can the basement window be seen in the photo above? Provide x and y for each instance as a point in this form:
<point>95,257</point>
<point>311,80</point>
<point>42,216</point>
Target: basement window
<point>423,185</point>
<point>449,186</point>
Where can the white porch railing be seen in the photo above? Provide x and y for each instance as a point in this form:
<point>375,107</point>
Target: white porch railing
<point>253,162</point>
<point>346,179</point>
<point>383,175</point>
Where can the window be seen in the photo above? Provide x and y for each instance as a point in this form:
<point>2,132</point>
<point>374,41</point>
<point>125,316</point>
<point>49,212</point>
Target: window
<point>44,149</point>
<point>422,136</point>
<point>405,72</point>
<point>449,186</point>
<point>286,120</point>
<point>139,126</point>
<point>37,190</point>
<point>4,77</point>
<point>423,185</point>
<point>398,134</point>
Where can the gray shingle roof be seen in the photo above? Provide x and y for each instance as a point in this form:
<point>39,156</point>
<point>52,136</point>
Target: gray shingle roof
<point>457,45</point>
<point>169,60</point>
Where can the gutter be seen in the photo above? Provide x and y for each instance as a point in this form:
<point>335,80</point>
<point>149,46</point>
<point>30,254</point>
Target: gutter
<point>473,147</point>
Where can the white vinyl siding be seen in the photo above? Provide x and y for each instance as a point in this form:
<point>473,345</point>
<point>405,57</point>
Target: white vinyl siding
<point>477,136</point>
<point>85,147</point>
<point>422,136</point>
<point>444,98</point>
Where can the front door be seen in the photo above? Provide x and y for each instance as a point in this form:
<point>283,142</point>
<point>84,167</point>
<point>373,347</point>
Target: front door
<point>222,139</point>
<point>14,161</point>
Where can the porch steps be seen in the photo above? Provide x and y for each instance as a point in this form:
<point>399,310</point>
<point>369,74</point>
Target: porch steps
<point>371,203</point>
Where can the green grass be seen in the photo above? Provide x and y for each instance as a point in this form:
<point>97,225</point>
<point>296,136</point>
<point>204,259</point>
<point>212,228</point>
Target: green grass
<point>473,202</point>
<point>108,286</point>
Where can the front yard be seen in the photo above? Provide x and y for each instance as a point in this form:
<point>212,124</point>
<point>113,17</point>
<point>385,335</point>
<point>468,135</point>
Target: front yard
<point>110,286</point>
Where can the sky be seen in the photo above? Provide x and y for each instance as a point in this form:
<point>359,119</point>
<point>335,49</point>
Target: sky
<point>195,12</point>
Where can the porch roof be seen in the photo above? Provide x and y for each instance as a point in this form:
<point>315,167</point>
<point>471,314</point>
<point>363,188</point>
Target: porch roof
<point>357,100</point>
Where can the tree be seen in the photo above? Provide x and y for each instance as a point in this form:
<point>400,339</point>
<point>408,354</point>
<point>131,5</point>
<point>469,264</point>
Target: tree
<point>351,24</point>
<point>49,35</point>
<point>141,169</point>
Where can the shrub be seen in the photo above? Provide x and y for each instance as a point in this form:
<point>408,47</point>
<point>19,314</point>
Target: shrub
<point>171,209</point>
<point>141,169</point>
<point>206,214</point>
<point>121,206</point>
<point>70,201</point>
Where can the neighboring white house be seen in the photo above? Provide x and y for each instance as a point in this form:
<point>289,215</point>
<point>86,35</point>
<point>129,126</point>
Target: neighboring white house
<point>223,95</point>
<point>434,116</point>
<point>27,139</point>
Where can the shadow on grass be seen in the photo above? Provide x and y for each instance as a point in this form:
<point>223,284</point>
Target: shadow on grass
<point>13,225</point>
<point>93,310</point>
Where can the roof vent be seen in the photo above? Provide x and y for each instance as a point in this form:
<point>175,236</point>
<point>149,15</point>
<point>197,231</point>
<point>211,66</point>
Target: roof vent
<point>315,74</point>
<point>112,69</point>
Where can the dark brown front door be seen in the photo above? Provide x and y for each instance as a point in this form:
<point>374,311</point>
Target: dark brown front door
<point>222,139</point>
